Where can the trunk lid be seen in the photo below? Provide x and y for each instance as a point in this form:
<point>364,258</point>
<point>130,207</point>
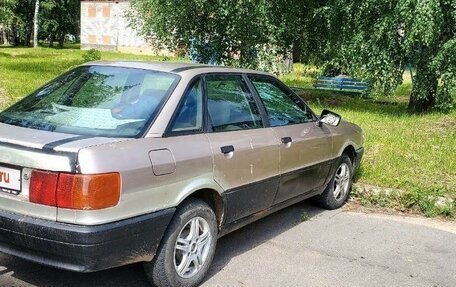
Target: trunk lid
<point>22,150</point>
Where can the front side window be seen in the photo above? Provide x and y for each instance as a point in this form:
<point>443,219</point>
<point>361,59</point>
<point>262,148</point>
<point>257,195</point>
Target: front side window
<point>231,106</point>
<point>190,114</point>
<point>283,108</point>
<point>96,101</point>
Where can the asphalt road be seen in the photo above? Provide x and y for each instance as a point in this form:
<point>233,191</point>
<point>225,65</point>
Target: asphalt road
<point>331,248</point>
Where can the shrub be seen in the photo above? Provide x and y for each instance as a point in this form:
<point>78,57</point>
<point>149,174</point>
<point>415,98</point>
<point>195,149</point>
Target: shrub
<point>91,55</point>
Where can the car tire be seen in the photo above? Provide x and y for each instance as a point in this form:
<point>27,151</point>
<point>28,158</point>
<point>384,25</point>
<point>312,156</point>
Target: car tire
<point>169,266</point>
<point>336,193</point>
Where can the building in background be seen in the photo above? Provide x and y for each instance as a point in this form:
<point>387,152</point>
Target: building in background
<point>104,26</point>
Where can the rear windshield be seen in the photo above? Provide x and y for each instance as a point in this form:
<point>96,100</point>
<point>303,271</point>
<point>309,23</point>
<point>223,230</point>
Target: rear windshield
<point>95,101</point>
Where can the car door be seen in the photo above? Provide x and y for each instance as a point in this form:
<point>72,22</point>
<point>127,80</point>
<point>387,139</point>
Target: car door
<point>305,151</point>
<point>245,154</point>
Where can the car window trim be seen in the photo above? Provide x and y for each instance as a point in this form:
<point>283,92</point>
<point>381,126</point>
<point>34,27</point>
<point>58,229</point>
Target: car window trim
<point>242,75</point>
<point>207,125</point>
<point>258,101</point>
<point>162,104</point>
<point>283,87</point>
<point>168,131</point>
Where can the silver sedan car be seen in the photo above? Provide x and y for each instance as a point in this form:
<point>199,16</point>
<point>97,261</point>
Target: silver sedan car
<point>114,163</point>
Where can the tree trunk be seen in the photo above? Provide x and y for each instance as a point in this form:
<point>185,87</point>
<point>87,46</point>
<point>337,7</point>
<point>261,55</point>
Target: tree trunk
<point>28,34</point>
<point>297,53</point>
<point>15,37</point>
<point>424,90</point>
<point>61,39</point>
<point>51,40</point>
<point>35,24</point>
<point>28,39</point>
<point>4,36</point>
<point>289,61</point>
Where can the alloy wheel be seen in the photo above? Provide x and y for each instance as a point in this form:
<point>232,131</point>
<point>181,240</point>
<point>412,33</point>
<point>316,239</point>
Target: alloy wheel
<point>342,182</point>
<point>192,247</point>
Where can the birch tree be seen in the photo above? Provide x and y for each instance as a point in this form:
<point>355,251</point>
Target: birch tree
<point>35,24</point>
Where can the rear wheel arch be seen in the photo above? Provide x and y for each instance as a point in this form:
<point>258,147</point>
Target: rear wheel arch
<point>213,199</point>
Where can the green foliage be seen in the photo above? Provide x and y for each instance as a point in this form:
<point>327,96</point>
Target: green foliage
<point>91,55</point>
<point>305,217</point>
<point>250,34</point>
<point>416,200</point>
<point>6,10</point>
<point>21,24</point>
<point>220,28</point>
<point>57,18</point>
<point>376,39</point>
<point>444,64</point>
<point>369,39</point>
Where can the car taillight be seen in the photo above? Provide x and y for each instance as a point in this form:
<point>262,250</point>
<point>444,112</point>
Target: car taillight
<point>43,186</point>
<point>75,191</point>
<point>80,191</point>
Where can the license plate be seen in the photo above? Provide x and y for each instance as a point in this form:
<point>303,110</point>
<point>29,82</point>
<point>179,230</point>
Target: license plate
<point>10,179</point>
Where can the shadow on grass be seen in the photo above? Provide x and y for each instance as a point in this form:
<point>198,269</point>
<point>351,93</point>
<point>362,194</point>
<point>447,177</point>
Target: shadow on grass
<point>55,47</point>
<point>358,174</point>
<point>30,54</point>
<point>27,56</point>
<point>65,47</point>
<point>354,102</point>
<point>5,55</point>
<point>54,67</point>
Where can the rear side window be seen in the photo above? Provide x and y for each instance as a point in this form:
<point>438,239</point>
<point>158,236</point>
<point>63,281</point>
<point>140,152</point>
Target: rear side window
<point>231,106</point>
<point>282,107</point>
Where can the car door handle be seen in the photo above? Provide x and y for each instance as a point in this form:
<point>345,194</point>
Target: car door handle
<point>227,149</point>
<point>286,140</point>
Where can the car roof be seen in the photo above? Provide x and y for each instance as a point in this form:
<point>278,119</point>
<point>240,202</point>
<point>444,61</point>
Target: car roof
<point>183,69</point>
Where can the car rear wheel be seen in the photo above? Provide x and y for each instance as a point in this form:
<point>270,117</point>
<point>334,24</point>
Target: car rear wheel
<point>187,249</point>
<point>338,189</point>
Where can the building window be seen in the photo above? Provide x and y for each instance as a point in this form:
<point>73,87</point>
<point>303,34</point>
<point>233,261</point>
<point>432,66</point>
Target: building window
<point>92,11</point>
<point>92,39</point>
<point>106,40</point>
<point>106,11</point>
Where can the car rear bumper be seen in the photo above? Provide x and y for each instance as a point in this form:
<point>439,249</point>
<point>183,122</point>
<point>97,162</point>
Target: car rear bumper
<point>83,248</point>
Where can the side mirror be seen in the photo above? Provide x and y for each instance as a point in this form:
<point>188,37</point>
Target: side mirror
<point>329,118</point>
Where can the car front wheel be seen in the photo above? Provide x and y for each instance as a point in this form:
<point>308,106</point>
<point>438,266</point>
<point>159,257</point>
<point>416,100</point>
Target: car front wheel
<point>187,249</point>
<point>338,189</point>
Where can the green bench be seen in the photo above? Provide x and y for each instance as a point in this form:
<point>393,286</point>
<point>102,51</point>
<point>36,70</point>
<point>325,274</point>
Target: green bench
<point>341,84</point>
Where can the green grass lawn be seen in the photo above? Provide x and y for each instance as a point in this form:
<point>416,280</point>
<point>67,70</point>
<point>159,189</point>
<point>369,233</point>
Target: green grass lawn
<point>415,153</point>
